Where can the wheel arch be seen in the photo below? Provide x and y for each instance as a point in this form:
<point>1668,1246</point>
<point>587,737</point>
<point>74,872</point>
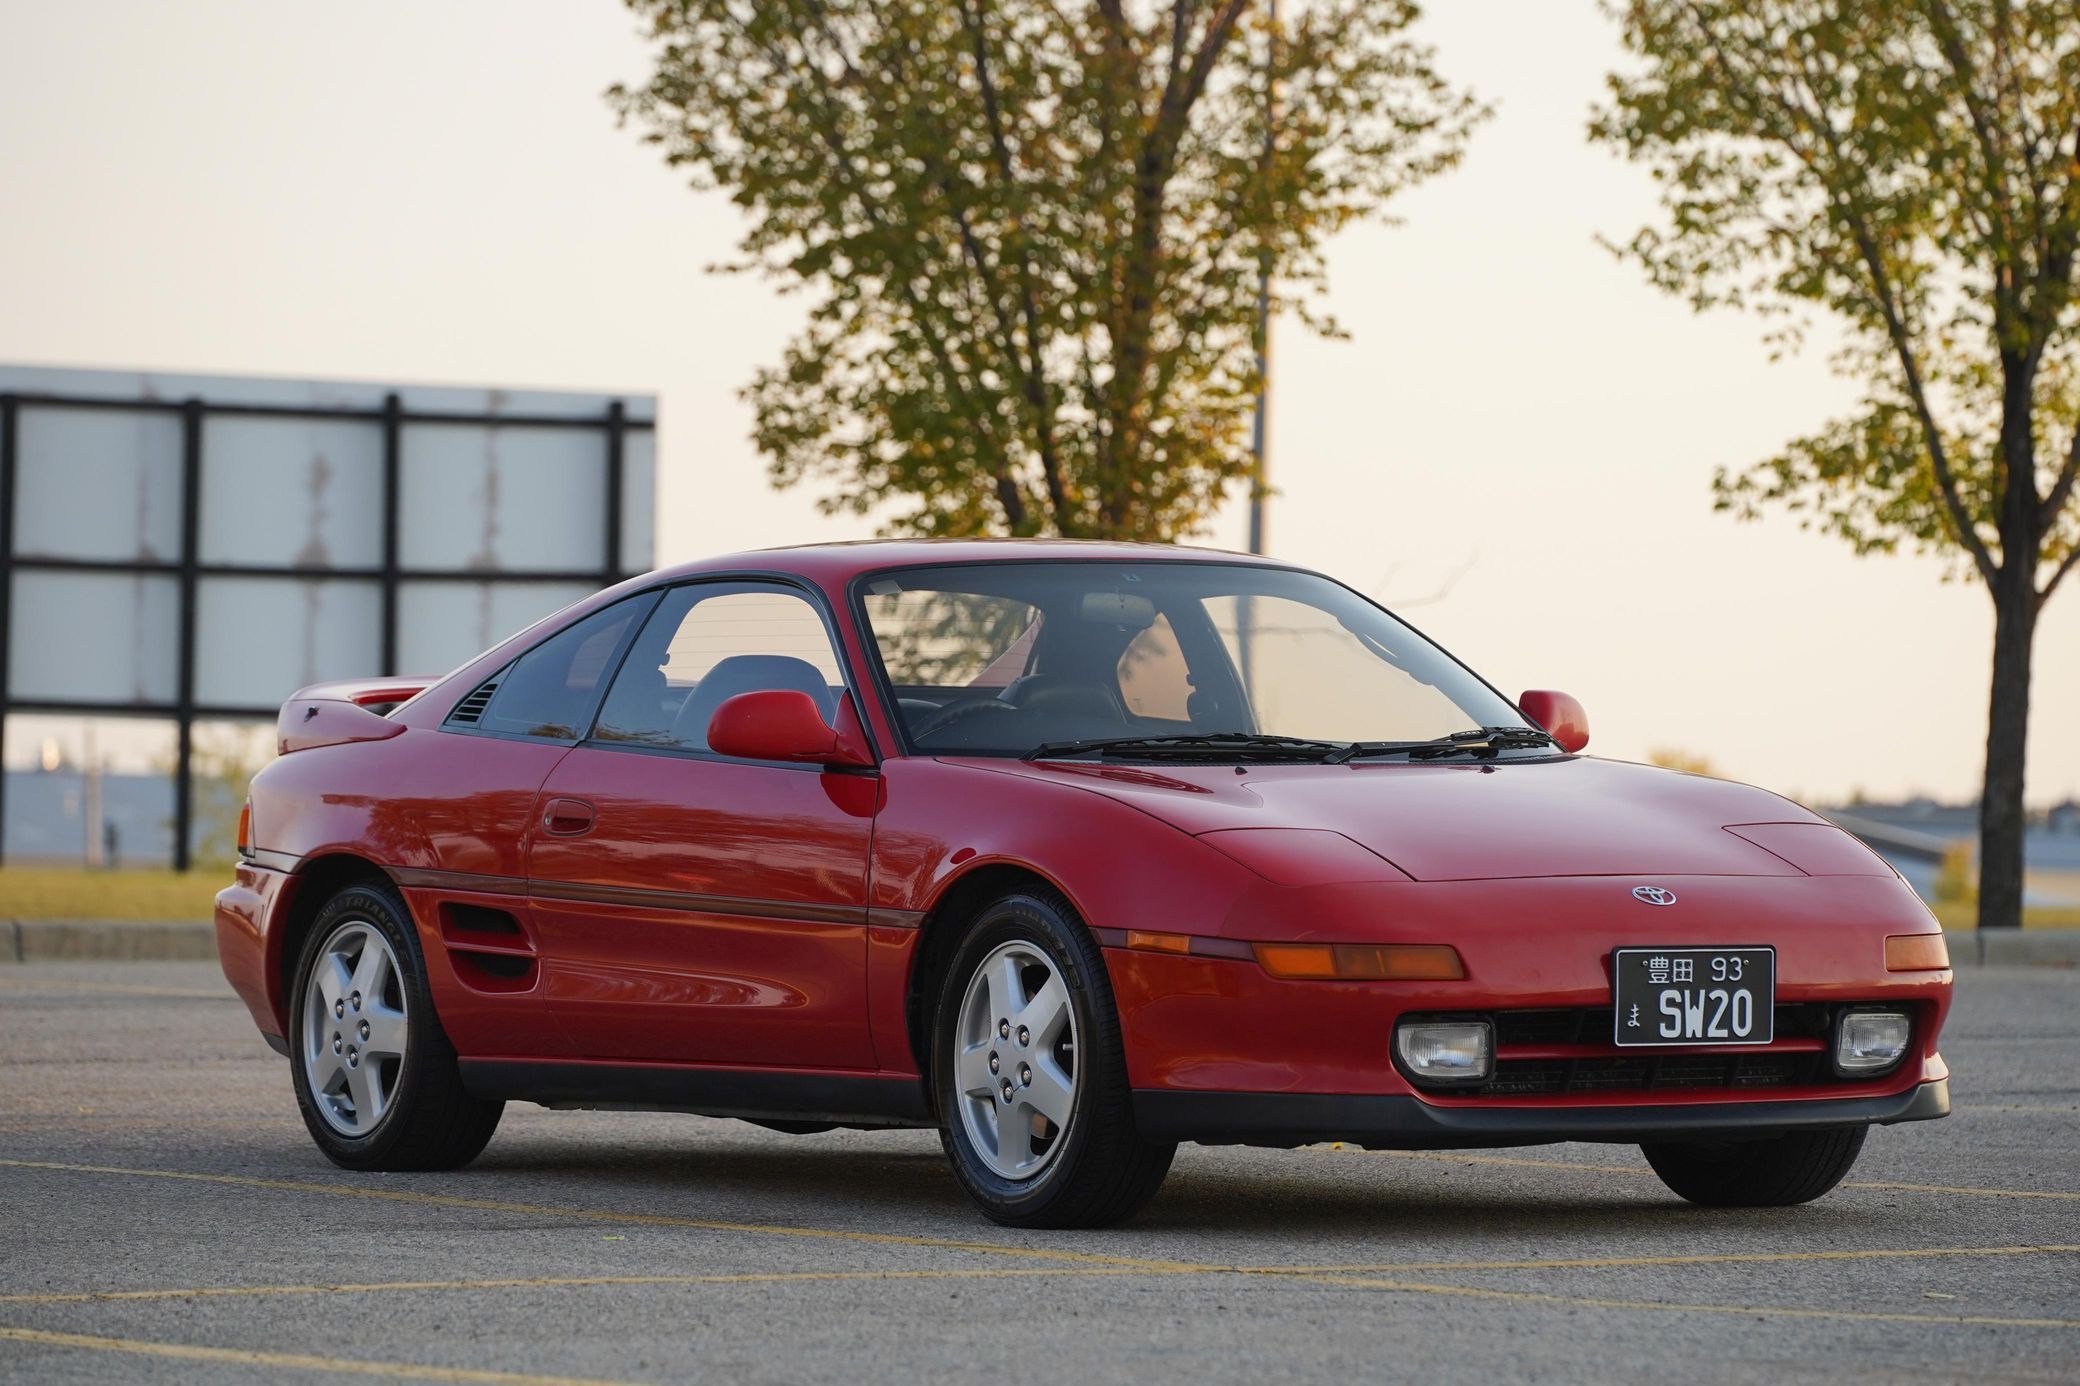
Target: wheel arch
<point>958,902</point>
<point>315,881</point>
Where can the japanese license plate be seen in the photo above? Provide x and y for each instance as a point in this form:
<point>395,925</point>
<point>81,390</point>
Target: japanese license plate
<point>1694,996</point>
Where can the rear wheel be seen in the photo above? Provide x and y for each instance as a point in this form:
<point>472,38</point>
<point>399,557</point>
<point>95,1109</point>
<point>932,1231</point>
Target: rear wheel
<point>1775,1172</point>
<point>1036,1115</point>
<point>375,1075</point>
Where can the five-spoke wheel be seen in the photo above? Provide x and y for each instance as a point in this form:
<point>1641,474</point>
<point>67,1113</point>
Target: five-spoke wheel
<point>375,1075</point>
<point>1017,1061</point>
<point>1031,1074</point>
<point>355,1028</point>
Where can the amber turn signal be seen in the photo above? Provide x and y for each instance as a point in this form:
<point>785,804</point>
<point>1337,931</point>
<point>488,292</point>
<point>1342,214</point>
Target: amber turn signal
<point>1916,953</point>
<point>1158,943</point>
<point>1377,962</point>
<point>245,829</point>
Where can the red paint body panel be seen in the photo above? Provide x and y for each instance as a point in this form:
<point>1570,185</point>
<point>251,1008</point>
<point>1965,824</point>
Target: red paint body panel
<point>729,913</point>
<point>666,980</point>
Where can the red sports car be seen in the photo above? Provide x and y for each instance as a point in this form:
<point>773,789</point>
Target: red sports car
<point>1074,852</point>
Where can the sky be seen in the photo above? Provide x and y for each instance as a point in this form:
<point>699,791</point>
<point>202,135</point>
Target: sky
<point>1514,448</point>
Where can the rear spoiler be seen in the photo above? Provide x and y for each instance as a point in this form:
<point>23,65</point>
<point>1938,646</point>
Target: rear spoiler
<point>329,714</point>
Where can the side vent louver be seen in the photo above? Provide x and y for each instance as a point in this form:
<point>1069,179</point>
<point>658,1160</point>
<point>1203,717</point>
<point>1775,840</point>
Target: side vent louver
<point>471,708</point>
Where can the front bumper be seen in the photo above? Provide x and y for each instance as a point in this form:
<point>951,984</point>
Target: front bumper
<point>1385,1121</point>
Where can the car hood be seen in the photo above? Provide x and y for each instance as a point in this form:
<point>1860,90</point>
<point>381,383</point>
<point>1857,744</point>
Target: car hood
<point>1462,821</point>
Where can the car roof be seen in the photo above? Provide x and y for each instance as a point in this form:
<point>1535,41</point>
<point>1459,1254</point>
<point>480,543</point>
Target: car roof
<point>838,563</point>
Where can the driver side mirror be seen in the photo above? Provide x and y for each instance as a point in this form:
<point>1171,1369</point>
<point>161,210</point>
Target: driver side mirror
<point>1560,715</point>
<point>785,724</point>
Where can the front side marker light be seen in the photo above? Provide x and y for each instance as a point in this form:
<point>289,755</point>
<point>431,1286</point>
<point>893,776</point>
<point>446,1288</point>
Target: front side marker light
<point>245,830</point>
<point>1446,1053</point>
<point>1374,962</point>
<point>1871,1041</point>
<point>1916,953</point>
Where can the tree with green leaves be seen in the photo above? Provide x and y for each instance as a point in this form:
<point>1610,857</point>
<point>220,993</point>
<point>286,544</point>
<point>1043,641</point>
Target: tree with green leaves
<point>1031,231</point>
<point>1908,170</point>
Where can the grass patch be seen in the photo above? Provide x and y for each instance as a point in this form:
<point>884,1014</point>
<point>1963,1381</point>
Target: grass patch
<point>61,892</point>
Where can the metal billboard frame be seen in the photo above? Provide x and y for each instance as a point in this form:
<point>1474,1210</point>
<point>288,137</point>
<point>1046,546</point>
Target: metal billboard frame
<point>391,417</point>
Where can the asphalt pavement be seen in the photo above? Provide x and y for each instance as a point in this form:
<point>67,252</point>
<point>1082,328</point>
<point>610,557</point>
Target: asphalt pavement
<point>164,1216</point>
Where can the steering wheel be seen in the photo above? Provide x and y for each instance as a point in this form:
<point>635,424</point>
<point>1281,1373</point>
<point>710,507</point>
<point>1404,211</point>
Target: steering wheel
<point>957,714</point>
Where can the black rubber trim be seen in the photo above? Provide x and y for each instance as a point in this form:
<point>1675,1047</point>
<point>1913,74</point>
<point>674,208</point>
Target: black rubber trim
<point>1391,1122</point>
<point>841,1099</point>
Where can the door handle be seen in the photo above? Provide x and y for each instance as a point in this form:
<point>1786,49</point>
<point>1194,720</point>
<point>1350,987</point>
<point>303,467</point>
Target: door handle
<point>567,817</point>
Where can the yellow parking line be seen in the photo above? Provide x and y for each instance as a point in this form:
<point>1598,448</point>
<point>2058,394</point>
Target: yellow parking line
<point>1001,1273</point>
<point>1731,1258</point>
<point>489,1205</point>
<point>292,1361</point>
<point>1582,1167</point>
<point>1671,1307</point>
<point>564,1282</point>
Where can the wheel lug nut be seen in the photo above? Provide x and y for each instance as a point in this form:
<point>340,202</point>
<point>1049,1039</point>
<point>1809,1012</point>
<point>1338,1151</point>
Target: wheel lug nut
<point>355,1000</point>
<point>993,1061</point>
<point>1025,1075</point>
<point>1007,1089</point>
<point>1003,1029</point>
<point>336,1045</point>
<point>1025,1036</point>
<point>364,1029</point>
<point>353,1057</point>
<point>339,1009</point>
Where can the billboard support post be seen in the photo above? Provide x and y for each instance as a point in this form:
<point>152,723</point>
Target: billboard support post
<point>184,687</point>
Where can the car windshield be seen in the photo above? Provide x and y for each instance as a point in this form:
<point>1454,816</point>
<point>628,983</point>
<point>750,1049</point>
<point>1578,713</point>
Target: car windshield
<point>1175,660</point>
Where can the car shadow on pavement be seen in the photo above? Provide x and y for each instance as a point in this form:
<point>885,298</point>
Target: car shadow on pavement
<point>806,1179</point>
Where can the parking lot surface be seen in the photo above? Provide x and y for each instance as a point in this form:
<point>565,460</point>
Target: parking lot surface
<point>163,1216</point>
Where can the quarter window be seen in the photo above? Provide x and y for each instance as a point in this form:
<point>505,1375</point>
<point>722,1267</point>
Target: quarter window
<point>551,690</point>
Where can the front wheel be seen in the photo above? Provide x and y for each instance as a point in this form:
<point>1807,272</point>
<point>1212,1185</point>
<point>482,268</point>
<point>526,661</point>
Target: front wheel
<point>1774,1172</point>
<point>1036,1114</point>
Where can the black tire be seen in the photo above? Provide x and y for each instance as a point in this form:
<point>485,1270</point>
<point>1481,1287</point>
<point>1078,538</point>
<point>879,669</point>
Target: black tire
<point>1774,1172</point>
<point>431,1122</point>
<point>1103,1173</point>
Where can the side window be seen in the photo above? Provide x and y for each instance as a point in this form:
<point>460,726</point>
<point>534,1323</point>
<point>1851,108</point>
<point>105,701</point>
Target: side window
<point>1154,680</point>
<point>552,689</point>
<point>705,644</point>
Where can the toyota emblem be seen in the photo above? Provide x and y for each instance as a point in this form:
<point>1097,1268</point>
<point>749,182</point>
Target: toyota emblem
<point>1654,895</point>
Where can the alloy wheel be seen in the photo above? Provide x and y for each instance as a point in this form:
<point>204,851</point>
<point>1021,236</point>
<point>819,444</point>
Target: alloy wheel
<point>355,1028</point>
<point>1014,1061</point>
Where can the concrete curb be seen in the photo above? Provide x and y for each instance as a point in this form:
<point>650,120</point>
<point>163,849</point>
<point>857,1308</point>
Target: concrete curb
<point>180,940</point>
<point>108,940</point>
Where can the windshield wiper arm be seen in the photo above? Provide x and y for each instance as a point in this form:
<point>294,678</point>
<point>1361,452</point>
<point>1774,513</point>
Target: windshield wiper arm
<point>1244,745</point>
<point>1474,741</point>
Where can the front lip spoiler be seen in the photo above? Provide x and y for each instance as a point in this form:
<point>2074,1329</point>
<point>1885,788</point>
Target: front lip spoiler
<point>1395,1122</point>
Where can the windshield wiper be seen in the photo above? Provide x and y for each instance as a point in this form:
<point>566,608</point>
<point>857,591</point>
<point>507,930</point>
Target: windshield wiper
<point>1474,741</point>
<point>1189,745</point>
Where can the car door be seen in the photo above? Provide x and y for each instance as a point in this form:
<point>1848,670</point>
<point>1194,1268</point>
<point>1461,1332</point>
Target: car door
<point>470,799</point>
<point>695,908</point>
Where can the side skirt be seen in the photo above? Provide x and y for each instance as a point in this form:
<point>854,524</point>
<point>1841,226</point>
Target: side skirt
<point>756,1094</point>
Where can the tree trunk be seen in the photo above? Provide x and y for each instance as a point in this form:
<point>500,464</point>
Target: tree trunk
<point>2007,740</point>
<point>2014,633</point>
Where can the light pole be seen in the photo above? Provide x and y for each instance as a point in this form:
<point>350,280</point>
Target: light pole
<point>1258,438</point>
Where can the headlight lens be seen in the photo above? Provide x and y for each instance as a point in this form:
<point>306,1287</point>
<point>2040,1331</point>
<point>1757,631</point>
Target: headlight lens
<point>1446,1053</point>
<point>1870,1041</point>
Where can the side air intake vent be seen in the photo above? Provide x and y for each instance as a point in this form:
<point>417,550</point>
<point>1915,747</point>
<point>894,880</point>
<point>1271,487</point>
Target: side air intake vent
<point>471,708</point>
